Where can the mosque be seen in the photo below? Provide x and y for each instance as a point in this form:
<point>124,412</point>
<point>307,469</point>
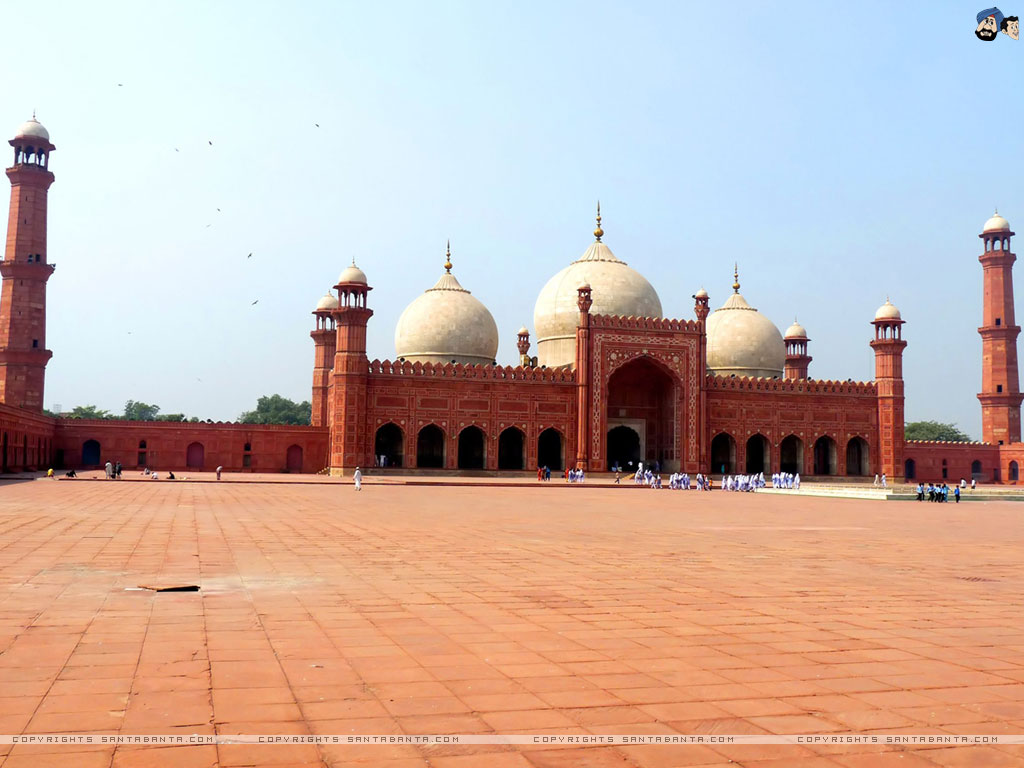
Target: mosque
<point>613,382</point>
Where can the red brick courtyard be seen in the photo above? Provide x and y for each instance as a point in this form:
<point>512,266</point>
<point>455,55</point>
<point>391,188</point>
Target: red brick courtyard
<point>476,610</point>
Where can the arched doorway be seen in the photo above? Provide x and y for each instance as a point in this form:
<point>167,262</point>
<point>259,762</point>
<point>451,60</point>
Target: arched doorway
<point>430,447</point>
<point>293,459</point>
<point>388,443</point>
<point>723,454</point>
<point>511,455</point>
<point>90,452</point>
<point>195,456</point>
<point>910,469</point>
<point>623,448</point>
<point>549,449</point>
<point>642,396</point>
<point>471,448</point>
<point>758,455</point>
<point>1014,471</point>
<point>824,456</point>
<point>857,459</point>
<point>976,470</point>
<point>791,455</point>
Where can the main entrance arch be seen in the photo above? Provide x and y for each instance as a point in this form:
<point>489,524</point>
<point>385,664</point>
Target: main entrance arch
<point>642,397</point>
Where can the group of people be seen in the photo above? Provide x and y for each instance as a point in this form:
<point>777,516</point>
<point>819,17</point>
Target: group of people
<point>574,476</point>
<point>743,482</point>
<point>788,480</point>
<point>543,473</point>
<point>936,492</point>
<point>113,471</point>
<point>883,482</point>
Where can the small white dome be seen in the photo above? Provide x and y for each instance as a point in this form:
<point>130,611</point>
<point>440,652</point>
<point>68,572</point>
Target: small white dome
<point>352,274</point>
<point>447,324</point>
<point>33,128</point>
<point>996,223</point>
<point>329,301</point>
<point>888,311</point>
<point>524,331</point>
<point>796,331</point>
<point>701,294</point>
<point>743,342</point>
<point>617,290</point>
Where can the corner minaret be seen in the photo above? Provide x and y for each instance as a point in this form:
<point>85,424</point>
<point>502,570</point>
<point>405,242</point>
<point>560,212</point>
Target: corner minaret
<point>1000,394</point>
<point>23,352</point>
<point>797,359</point>
<point>349,379</point>
<point>889,345</point>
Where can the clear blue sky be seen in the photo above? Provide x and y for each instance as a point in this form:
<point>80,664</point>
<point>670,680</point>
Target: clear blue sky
<point>839,152</point>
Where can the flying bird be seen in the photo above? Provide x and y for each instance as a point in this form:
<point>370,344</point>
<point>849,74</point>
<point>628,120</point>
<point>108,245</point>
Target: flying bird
<point>249,256</point>
<point>317,124</point>
<point>208,226</point>
<point>177,150</point>
<point>119,85</point>
<point>209,142</point>
<point>255,303</point>
<point>218,210</point>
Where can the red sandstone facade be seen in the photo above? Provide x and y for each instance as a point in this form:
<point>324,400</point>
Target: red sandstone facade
<point>639,389</point>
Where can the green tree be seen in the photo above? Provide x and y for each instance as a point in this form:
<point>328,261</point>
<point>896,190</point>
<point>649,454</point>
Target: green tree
<point>88,412</point>
<point>274,409</point>
<point>135,410</point>
<point>934,430</point>
<point>170,417</point>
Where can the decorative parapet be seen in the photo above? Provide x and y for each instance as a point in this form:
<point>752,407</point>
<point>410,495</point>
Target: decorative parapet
<point>802,386</point>
<point>948,443</point>
<point>643,323</point>
<point>460,371</point>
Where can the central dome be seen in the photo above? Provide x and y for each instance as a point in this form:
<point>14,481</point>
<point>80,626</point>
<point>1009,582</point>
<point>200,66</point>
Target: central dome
<point>447,324</point>
<point>742,341</point>
<point>617,290</point>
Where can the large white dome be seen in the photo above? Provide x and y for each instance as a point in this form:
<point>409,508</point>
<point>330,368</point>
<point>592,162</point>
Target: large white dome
<point>743,342</point>
<point>447,324</point>
<point>616,290</point>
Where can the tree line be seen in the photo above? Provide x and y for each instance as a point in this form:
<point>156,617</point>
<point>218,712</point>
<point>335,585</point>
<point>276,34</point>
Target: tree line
<point>270,409</point>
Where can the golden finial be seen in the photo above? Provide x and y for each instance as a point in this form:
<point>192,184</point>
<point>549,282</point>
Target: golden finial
<point>736,277</point>
<point>598,232</point>
<point>448,258</point>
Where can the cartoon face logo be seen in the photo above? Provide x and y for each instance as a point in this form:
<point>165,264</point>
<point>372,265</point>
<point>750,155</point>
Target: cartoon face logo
<point>989,21</point>
<point>1011,27</point>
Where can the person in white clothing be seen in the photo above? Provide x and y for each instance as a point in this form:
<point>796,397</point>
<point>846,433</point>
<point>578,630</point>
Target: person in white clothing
<point>357,478</point>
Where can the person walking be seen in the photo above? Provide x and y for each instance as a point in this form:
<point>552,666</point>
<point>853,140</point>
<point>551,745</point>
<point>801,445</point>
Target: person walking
<point>108,469</point>
<point>219,470</point>
<point>117,470</point>
<point>357,477</point>
<point>956,494</point>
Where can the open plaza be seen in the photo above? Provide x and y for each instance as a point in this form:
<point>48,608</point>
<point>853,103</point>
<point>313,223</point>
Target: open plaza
<point>472,609</point>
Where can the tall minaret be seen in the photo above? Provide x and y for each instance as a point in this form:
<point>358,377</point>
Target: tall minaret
<point>797,359</point>
<point>324,338</point>
<point>349,380</point>
<point>23,352</point>
<point>889,345</point>
<point>1000,394</point>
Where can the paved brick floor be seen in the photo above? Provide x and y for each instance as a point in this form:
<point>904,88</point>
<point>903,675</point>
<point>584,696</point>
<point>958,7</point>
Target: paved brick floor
<point>533,610</point>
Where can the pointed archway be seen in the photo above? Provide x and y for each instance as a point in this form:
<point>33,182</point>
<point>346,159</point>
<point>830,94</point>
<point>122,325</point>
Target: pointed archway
<point>791,455</point>
<point>623,448</point>
<point>471,448</point>
<point>550,449</point>
<point>511,453</point>
<point>723,454</point>
<point>758,455</point>
<point>642,397</point>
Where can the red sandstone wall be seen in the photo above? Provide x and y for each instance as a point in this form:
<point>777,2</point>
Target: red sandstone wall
<point>937,461</point>
<point>167,445</point>
<point>809,409</point>
<point>453,397</point>
<point>26,439</point>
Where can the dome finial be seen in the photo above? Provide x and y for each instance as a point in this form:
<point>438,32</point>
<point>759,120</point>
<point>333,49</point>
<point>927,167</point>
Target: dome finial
<point>736,277</point>
<point>33,113</point>
<point>598,233</point>
<point>448,258</point>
